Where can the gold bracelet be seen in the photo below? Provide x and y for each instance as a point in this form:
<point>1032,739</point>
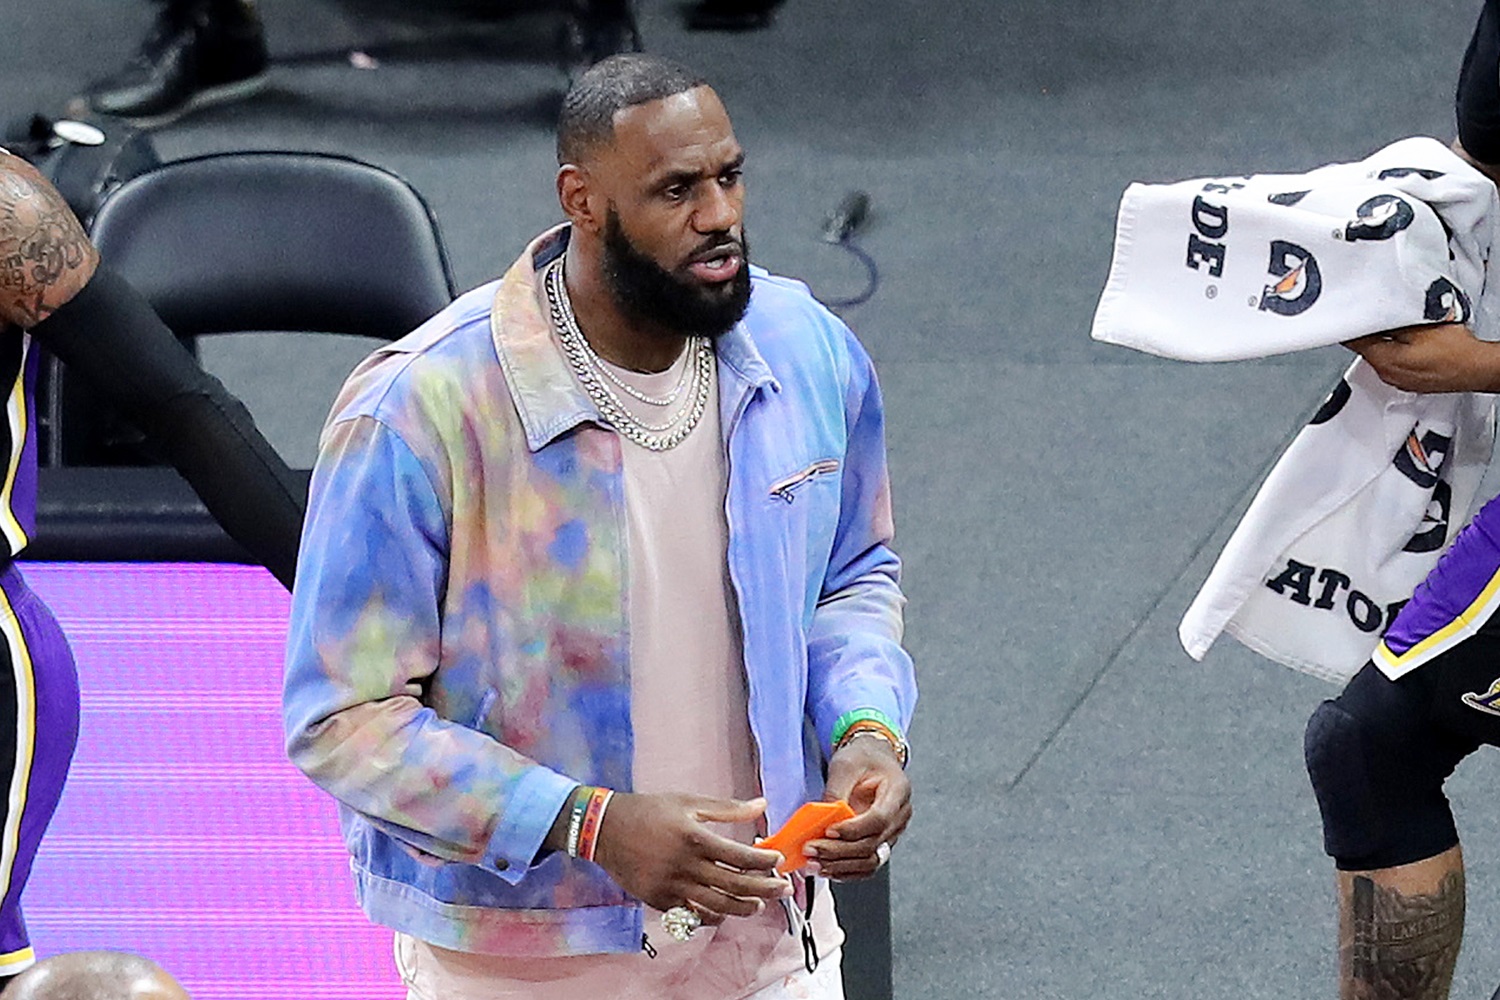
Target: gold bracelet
<point>880,733</point>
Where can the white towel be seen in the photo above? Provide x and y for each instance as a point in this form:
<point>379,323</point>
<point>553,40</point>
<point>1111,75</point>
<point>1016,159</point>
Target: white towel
<point>1358,509</point>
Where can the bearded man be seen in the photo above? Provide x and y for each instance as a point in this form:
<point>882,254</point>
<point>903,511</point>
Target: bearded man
<point>595,588</point>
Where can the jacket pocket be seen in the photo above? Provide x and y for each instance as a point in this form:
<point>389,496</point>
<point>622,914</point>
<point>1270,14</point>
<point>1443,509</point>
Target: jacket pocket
<point>785,489</point>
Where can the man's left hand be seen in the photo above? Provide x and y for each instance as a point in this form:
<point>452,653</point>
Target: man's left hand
<point>866,773</point>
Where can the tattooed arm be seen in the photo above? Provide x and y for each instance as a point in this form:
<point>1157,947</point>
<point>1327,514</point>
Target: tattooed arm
<point>45,257</point>
<point>102,328</point>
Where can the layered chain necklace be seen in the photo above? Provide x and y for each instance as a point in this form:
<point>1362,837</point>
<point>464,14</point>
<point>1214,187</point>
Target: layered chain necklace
<point>597,380</point>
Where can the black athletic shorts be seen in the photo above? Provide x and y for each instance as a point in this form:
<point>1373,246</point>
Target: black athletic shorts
<point>1477,102</point>
<point>1443,710</point>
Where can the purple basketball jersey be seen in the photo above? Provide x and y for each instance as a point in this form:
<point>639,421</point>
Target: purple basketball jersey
<point>1458,596</point>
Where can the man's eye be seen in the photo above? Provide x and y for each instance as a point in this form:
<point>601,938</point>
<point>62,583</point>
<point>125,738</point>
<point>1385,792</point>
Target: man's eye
<point>731,177</point>
<point>676,192</point>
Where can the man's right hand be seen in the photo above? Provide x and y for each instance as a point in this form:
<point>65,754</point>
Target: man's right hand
<point>1439,357</point>
<point>661,850</point>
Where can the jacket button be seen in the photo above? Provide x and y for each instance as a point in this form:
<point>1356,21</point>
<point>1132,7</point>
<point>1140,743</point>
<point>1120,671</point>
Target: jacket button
<point>501,864</point>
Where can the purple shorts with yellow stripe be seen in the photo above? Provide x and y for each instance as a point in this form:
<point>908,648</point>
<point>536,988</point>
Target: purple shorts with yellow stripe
<point>38,731</point>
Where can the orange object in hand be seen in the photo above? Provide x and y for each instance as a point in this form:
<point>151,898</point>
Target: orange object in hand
<point>806,824</point>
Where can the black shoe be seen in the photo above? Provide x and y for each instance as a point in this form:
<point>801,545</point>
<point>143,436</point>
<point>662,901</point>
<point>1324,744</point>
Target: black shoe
<point>730,15</point>
<point>595,31</point>
<point>199,52</point>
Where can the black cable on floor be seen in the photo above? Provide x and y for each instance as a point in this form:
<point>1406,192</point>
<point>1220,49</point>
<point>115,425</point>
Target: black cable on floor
<point>839,229</point>
<point>872,280</point>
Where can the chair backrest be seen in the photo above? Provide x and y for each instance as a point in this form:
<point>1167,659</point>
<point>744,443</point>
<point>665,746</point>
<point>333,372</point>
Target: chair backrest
<point>258,241</point>
<point>277,241</point>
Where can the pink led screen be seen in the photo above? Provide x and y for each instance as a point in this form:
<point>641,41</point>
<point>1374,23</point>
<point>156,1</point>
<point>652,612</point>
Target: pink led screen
<point>183,833</point>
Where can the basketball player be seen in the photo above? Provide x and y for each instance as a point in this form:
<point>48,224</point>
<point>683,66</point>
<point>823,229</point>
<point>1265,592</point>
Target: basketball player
<point>54,293</point>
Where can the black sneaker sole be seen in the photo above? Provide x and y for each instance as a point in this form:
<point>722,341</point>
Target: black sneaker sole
<point>223,93</point>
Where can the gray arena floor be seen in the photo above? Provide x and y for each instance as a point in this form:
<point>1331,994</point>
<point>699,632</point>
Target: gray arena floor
<point>1098,816</point>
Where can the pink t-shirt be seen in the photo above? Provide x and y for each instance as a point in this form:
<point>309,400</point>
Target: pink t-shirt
<point>690,714</point>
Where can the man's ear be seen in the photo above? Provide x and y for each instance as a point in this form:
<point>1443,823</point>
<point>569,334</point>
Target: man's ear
<point>581,201</point>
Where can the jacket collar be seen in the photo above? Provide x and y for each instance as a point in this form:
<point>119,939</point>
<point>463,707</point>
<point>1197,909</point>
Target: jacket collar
<point>548,399</point>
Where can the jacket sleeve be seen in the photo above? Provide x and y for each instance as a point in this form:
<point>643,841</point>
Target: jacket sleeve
<point>856,664</point>
<point>109,334</point>
<point>364,638</point>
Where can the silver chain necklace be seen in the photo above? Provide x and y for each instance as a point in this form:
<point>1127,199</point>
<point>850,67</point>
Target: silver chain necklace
<point>602,366</point>
<point>576,346</point>
<point>653,437</point>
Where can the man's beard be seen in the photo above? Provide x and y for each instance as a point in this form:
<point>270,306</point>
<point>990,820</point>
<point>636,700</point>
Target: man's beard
<point>649,293</point>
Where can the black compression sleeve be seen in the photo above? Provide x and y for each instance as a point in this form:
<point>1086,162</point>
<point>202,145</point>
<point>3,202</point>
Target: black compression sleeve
<point>110,335</point>
<point>1477,102</point>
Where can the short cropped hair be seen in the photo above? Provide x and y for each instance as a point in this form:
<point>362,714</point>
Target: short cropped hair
<point>92,975</point>
<point>609,86</point>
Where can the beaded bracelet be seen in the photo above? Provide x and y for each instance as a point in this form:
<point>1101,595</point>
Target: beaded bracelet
<point>593,820</point>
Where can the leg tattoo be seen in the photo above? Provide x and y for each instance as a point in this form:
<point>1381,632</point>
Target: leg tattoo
<point>1400,947</point>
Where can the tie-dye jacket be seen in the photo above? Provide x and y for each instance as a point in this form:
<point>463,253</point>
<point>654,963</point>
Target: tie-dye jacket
<point>458,659</point>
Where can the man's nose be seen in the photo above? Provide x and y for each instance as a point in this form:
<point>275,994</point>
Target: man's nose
<point>718,210</point>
